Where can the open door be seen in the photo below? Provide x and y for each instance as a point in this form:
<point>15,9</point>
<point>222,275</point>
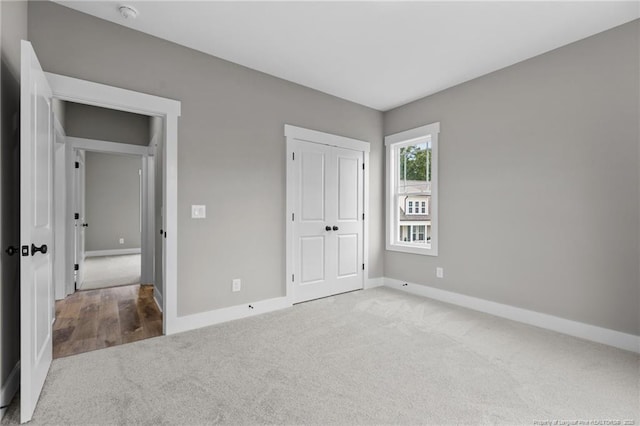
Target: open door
<point>80,218</point>
<point>36,230</point>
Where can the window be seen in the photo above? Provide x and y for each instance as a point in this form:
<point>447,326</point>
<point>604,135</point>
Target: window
<point>417,233</point>
<point>412,190</point>
<point>416,206</point>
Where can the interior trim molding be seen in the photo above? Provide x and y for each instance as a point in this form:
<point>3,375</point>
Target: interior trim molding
<point>97,94</point>
<point>9,388</point>
<point>581,330</point>
<point>157,297</point>
<point>108,147</point>
<point>218,316</point>
<point>114,252</point>
<point>300,133</point>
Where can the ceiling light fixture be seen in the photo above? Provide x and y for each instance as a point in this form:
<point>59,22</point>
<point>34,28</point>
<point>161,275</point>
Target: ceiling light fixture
<point>128,12</point>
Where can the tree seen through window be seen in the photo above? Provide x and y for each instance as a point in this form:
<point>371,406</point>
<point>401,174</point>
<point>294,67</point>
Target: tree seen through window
<point>415,162</point>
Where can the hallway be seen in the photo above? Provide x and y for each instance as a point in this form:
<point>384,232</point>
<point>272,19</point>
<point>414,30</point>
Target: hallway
<point>111,271</point>
<point>96,319</point>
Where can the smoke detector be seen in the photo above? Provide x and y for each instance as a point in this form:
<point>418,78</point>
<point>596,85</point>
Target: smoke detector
<point>128,12</point>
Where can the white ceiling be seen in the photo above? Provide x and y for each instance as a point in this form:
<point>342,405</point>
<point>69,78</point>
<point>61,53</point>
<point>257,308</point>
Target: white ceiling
<point>378,54</point>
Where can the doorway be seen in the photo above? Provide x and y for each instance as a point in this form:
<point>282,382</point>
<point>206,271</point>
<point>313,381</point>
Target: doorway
<point>39,135</point>
<point>327,198</point>
<point>113,296</point>
<point>110,220</point>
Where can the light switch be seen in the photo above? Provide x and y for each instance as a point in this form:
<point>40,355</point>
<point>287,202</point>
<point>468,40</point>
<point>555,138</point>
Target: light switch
<point>198,212</point>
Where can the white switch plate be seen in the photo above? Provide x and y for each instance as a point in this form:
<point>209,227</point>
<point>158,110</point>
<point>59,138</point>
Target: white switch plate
<point>236,284</point>
<point>440,272</point>
<point>198,212</point>
<point>121,240</point>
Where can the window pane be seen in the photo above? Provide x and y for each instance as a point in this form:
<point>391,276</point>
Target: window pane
<point>413,187</point>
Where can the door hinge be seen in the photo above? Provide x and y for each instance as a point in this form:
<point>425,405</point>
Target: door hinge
<point>293,156</point>
<point>362,166</point>
<point>76,215</point>
<point>293,278</point>
<point>362,216</point>
<point>363,266</point>
<point>77,165</point>
<point>76,267</point>
<point>293,217</point>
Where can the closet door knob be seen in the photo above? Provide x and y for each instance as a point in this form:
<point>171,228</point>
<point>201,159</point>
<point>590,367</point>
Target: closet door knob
<point>335,228</point>
<point>327,228</point>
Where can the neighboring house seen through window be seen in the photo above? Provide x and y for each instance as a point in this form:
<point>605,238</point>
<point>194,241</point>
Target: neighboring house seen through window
<point>412,190</point>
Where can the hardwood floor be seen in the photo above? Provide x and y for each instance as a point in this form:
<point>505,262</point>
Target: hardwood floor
<point>96,319</point>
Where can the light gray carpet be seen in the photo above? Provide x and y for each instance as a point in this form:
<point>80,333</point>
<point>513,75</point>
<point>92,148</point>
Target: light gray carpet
<point>111,271</point>
<point>375,356</point>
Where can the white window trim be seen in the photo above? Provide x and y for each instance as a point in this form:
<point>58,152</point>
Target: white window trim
<point>409,137</point>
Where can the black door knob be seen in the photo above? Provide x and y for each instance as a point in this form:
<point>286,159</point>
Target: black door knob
<point>11,250</point>
<point>335,228</point>
<point>42,249</point>
<point>327,228</point>
<point>85,224</point>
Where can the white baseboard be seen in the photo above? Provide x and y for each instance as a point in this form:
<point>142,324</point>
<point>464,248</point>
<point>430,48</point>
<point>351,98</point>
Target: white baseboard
<point>9,388</point>
<point>157,297</point>
<point>115,252</point>
<point>373,282</point>
<point>593,333</point>
<point>204,319</point>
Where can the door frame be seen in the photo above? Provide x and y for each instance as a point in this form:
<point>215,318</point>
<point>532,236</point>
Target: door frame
<point>62,258</point>
<point>78,189</point>
<point>96,94</point>
<point>293,133</point>
<point>147,237</point>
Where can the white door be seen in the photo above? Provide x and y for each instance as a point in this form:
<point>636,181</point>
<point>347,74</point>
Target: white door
<point>36,231</point>
<point>328,221</point>
<point>80,221</point>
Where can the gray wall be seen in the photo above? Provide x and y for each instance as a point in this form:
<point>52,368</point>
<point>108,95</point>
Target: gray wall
<point>13,17</point>
<point>539,183</point>
<point>112,201</point>
<point>231,146</point>
<point>87,121</point>
<point>59,108</point>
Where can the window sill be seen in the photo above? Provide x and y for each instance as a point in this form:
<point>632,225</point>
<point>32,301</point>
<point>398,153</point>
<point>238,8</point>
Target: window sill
<point>432,251</point>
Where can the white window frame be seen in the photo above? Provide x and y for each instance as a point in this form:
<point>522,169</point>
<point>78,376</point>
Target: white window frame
<point>406,138</point>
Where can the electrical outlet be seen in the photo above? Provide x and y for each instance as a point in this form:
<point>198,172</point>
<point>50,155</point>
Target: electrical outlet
<point>440,272</point>
<point>236,284</point>
<point>121,240</point>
